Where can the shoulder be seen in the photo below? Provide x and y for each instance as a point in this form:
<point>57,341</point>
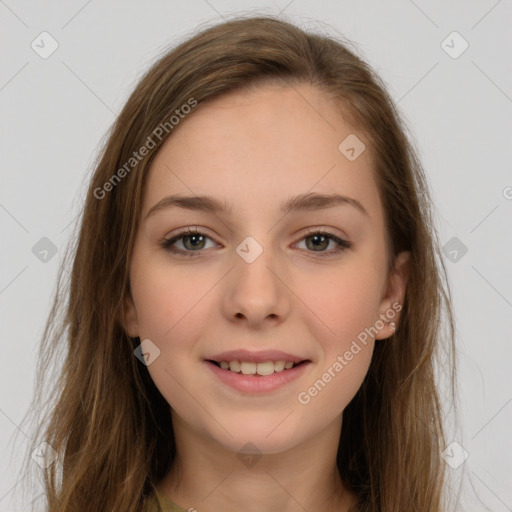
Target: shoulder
<point>150,504</point>
<point>158,502</point>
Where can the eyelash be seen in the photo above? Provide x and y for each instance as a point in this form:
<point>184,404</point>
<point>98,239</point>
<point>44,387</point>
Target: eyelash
<point>343,245</point>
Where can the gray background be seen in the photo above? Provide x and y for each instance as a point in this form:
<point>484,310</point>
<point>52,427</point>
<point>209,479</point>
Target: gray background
<point>55,111</point>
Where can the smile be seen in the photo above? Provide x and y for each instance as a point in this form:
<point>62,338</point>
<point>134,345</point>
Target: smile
<point>251,368</point>
<point>257,378</point>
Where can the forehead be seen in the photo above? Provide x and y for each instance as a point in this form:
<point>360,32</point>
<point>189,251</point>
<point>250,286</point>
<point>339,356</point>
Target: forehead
<point>254,149</point>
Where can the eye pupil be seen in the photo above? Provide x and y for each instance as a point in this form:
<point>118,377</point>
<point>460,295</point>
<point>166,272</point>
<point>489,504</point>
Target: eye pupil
<point>196,237</point>
<point>316,239</point>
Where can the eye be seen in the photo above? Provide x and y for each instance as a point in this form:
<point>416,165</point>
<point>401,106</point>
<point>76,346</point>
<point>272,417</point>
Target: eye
<point>192,239</point>
<point>320,239</point>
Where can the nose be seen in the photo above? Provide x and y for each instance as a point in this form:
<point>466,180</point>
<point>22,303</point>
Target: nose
<point>257,292</point>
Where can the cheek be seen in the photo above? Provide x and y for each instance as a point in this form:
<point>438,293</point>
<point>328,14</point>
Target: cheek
<point>342,302</point>
<point>342,308</point>
<point>166,297</point>
<point>171,306</point>
<point>335,385</point>
<point>347,310</point>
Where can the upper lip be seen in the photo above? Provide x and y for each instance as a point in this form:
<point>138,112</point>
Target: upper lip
<point>259,356</point>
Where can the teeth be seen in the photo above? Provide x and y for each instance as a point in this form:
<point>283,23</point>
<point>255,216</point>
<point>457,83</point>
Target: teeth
<point>250,368</point>
<point>279,366</point>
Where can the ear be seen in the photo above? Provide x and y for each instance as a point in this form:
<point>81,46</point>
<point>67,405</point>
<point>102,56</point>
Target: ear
<point>393,299</point>
<point>129,316</point>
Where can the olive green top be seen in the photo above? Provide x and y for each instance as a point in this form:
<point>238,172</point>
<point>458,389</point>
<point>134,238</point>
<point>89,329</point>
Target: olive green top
<point>158,502</point>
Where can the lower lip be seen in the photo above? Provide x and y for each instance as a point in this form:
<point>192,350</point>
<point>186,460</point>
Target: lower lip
<point>258,384</point>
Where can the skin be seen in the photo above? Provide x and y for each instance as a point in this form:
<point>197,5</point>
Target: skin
<point>254,150</point>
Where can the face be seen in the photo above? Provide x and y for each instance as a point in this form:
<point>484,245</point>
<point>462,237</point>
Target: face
<point>253,276</point>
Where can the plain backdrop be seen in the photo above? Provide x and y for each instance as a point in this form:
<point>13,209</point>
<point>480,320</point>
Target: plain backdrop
<point>453,89</point>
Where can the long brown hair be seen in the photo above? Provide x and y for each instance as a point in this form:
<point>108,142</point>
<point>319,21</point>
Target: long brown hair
<point>104,417</point>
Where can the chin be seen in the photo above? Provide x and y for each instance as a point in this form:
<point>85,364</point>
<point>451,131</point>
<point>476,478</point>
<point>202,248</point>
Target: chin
<point>259,437</point>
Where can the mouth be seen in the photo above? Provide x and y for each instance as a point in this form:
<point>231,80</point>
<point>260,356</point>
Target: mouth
<point>260,369</point>
<point>262,377</point>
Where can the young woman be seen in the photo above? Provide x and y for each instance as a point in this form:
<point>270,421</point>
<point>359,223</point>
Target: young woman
<point>256,293</point>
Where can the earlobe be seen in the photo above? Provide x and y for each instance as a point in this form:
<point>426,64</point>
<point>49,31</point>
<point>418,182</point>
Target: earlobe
<point>393,300</point>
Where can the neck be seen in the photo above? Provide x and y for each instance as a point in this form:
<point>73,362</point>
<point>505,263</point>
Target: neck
<point>208,477</point>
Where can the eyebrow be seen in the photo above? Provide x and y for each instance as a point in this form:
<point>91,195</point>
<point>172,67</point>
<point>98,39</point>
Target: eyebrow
<point>302,202</point>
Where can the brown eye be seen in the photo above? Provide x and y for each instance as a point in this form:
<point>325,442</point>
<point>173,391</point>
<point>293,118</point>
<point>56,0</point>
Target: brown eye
<point>196,241</point>
<point>319,241</point>
<point>193,242</point>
